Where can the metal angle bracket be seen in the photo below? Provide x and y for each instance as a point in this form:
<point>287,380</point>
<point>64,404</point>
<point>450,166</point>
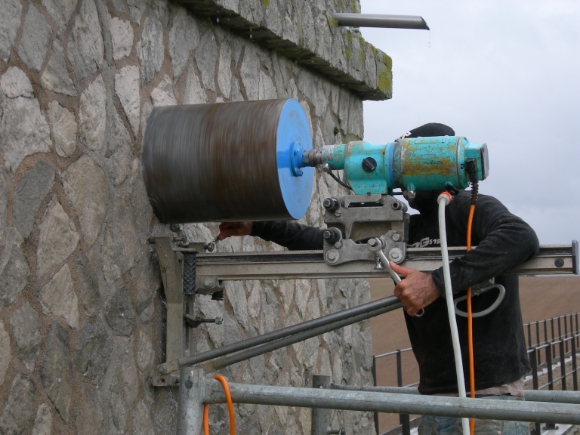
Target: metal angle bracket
<point>167,380</point>
<point>171,265</point>
<point>171,252</point>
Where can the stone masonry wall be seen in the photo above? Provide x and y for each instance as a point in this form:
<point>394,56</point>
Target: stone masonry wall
<point>81,303</point>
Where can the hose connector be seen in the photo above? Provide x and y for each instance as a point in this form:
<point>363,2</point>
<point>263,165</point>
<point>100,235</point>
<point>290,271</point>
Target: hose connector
<point>445,196</point>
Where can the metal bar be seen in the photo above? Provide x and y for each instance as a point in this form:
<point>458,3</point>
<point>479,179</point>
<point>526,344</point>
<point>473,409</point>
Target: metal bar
<point>394,403</point>
<point>190,406</point>
<point>545,340</point>
<point>384,21</point>
<point>320,424</point>
<point>574,364</point>
<point>382,355</point>
<point>173,284</point>
<point>577,329</point>
<point>311,264</point>
<point>549,355</point>
<point>562,365</point>
<point>566,332</point>
<point>309,325</point>
<point>374,372</point>
<point>549,364</point>
<point>545,322</point>
<point>304,335</point>
<point>534,364</point>
<point>556,396</point>
<point>403,418</point>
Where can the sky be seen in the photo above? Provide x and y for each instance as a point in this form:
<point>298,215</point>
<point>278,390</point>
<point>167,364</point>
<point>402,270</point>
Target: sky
<point>504,73</point>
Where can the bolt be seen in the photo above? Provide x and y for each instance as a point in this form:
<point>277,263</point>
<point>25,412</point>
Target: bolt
<point>198,320</point>
<point>331,255</point>
<point>337,213</point>
<point>373,242</point>
<point>162,369</point>
<point>396,237</point>
<point>395,254</point>
<point>331,204</point>
<point>208,282</point>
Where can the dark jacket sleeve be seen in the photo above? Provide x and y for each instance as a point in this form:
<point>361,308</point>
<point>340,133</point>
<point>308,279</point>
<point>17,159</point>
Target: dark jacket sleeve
<point>292,235</point>
<point>500,242</point>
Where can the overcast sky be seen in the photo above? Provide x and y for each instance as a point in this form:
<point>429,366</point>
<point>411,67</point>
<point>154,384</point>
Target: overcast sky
<point>505,73</point>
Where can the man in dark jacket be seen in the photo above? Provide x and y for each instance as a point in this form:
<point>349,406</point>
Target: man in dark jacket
<point>502,242</point>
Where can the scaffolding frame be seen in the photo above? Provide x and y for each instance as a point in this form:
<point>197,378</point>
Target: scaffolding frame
<point>209,270</point>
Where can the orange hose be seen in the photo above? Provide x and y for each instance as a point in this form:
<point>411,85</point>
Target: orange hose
<point>470,324</point>
<point>226,388</point>
<point>206,419</point>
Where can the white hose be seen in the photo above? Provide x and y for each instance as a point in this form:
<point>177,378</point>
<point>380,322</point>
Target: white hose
<point>443,200</point>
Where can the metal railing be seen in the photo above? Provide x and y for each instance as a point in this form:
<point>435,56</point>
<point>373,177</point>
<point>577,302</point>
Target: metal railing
<point>552,344</point>
<point>551,330</point>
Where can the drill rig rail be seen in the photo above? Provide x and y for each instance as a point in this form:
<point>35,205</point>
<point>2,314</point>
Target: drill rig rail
<point>551,260</point>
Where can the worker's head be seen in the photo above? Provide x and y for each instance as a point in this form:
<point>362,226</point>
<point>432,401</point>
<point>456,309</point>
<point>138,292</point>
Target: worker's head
<point>432,129</point>
<point>424,199</point>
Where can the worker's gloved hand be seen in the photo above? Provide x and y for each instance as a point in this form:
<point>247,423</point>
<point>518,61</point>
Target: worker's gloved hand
<point>228,229</point>
<point>416,290</point>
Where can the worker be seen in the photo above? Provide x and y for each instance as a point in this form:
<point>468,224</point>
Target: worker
<point>502,242</point>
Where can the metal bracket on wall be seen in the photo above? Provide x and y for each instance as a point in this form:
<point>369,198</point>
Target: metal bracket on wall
<point>171,252</point>
<point>171,265</point>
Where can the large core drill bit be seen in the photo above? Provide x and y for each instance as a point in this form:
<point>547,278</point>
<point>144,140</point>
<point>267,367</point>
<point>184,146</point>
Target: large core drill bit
<point>227,161</point>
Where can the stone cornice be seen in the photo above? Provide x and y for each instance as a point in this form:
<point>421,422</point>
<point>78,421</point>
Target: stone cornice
<point>309,36</point>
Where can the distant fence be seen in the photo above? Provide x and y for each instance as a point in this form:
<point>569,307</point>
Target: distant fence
<point>552,345</point>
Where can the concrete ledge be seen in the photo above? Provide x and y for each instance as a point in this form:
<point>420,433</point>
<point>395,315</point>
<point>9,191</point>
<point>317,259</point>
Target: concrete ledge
<point>308,35</point>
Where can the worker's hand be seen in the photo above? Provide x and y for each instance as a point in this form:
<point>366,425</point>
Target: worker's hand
<point>228,229</point>
<point>416,290</point>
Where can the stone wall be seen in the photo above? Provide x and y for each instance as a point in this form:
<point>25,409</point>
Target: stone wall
<point>81,303</point>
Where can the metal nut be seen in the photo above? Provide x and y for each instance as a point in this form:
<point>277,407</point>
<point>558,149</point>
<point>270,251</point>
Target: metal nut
<point>395,255</point>
<point>396,237</point>
<point>332,256</point>
<point>208,282</point>
<point>375,244</point>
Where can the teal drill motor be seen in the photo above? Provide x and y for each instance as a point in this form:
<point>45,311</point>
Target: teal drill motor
<point>428,163</point>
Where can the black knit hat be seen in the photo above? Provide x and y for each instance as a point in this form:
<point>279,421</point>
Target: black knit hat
<point>432,129</point>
